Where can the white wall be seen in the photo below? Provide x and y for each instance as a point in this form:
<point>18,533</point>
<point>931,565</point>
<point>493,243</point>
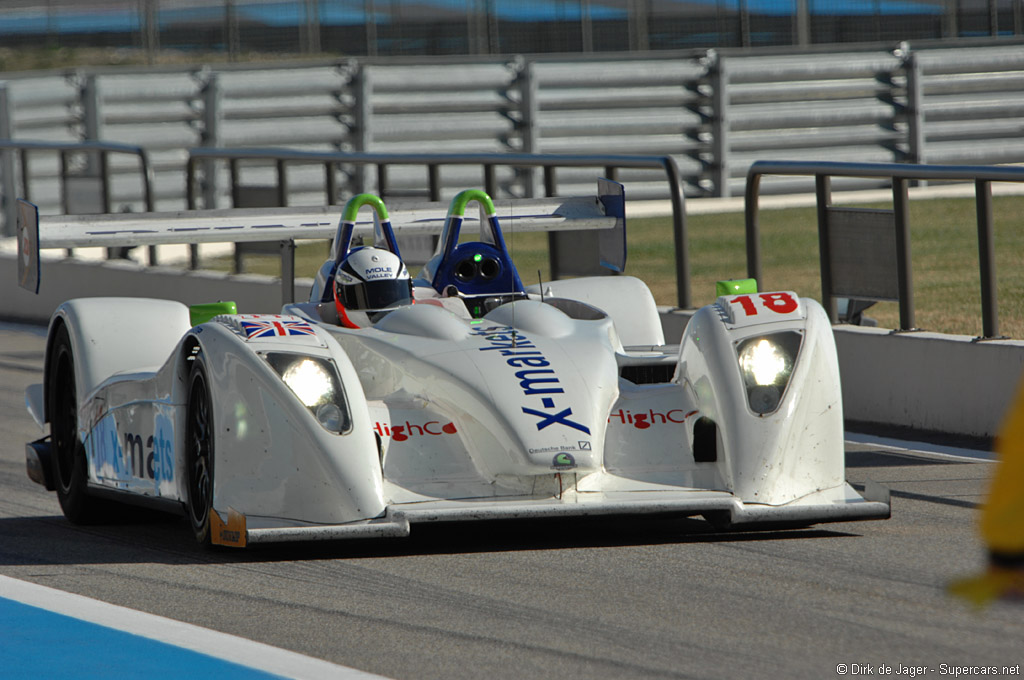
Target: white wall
<point>928,381</point>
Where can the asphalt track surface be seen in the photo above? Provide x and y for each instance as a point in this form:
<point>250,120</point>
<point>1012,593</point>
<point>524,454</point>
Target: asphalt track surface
<point>595,599</point>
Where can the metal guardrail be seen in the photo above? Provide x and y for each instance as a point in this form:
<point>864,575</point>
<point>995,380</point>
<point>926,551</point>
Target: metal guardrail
<point>101,151</point>
<point>433,163</point>
<point>899,175</point>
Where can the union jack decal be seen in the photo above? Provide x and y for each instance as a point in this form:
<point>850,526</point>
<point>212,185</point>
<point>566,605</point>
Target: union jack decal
<point>270,327</point>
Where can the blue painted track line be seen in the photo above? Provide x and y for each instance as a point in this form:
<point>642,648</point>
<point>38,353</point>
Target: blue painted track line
<point>41,644</point>
<point>47,633</point>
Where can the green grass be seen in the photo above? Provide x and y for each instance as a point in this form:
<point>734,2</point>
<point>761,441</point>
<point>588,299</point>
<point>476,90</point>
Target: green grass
<point>946,280</point>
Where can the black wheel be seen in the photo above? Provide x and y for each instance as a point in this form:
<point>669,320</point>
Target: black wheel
<point>70,468</point>
<point>199,450</point>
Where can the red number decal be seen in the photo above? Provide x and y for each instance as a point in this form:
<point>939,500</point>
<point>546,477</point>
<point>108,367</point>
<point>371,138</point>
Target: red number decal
<point>748,305</point>
<point>780,303</point>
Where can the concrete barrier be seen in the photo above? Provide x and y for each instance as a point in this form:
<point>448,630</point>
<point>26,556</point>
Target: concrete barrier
<point>928,381</point>
<point>917,382</point>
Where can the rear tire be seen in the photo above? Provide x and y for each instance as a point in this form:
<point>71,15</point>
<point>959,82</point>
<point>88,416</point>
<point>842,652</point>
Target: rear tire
<point>70,467</point>
<point>199,452</point>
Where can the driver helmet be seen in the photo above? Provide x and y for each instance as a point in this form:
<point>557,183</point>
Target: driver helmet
<point>369,281</point>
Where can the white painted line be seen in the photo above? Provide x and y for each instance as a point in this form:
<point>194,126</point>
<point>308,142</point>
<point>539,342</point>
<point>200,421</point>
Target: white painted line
<point>932,450</point>
<point>187,636</point>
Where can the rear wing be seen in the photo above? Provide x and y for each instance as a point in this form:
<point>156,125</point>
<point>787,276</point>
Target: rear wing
<point>605,212</point>
<point>28,245</point>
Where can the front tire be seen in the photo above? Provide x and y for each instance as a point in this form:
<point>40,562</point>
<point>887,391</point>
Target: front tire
<point>70,467</point>
<point>199,450</point>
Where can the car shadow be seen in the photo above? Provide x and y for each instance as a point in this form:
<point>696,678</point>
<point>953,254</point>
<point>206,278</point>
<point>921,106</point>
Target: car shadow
<point>167,539</point>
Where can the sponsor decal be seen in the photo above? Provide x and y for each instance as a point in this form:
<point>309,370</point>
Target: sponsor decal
<point>402,432</point>
<point>372,273</point>
<point>552,449</point>
<point>645,419</point>
<point>563,461</point>
<point>536,377</point>
<point>231,533</point>
<point>271,326</point>
<point>105,452</point>
<point>153,461</point>
<point>132,455</point>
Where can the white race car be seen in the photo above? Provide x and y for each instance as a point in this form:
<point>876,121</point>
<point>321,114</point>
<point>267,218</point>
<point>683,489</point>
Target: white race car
<point>474,398</point>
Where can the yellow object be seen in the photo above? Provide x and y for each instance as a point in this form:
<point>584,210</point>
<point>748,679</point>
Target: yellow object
<point>1002,518</point>
<point>995,584</point>
<point>232,533</point>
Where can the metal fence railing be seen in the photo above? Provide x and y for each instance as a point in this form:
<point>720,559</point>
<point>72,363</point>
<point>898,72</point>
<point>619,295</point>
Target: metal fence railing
<point>864,253</point>
<point>878,241</point>
<point>83,188</point>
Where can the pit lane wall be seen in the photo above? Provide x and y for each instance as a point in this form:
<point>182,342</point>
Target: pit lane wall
<point>920,381</point>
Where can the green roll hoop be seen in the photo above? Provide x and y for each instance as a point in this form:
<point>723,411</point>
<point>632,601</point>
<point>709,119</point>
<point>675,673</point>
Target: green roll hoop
<point>464,198</point>
<point>356,202</point>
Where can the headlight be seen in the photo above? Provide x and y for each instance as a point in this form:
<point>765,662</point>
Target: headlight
<point>310,382</point>
<point>315,382</point>
<point>766,363</point>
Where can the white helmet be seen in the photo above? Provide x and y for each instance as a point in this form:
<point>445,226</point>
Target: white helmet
<point>371,280</point>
